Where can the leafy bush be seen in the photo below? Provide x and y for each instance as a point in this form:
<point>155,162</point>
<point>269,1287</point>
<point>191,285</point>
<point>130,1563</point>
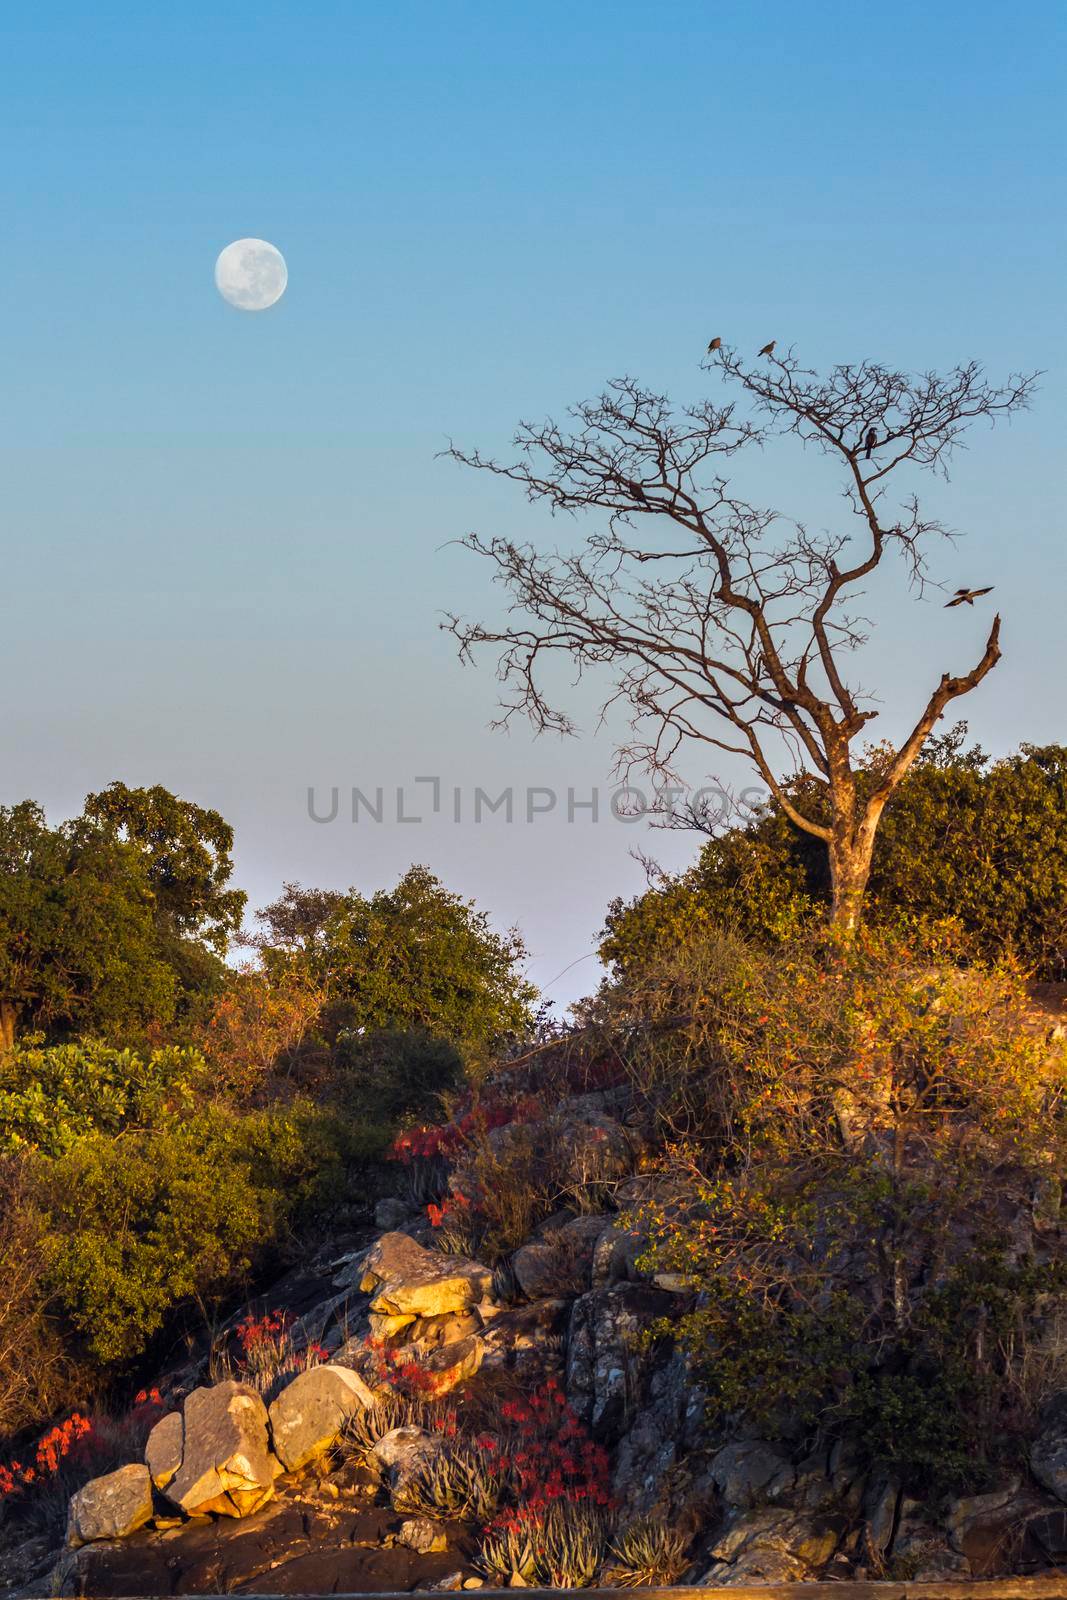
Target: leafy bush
<point>852,1257</point>
<point>420,958</point>
<point>182,1215</point>
<point>391,1073</point>
<point>37,1373</point>
<point>50,1098</point>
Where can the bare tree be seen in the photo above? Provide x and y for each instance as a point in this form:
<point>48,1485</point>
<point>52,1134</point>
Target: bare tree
<point>717,621</point>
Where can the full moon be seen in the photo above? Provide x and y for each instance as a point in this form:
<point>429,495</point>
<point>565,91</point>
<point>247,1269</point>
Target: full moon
<point>251,274</point>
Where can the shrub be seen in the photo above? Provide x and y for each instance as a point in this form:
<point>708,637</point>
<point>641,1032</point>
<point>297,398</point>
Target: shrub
<point>258,1024</point>
<point>393,1072</point>
<point>50,1098</point>
<point>851,1255</point>
<point>559,1546</point>
<point>37,1373</point>
<point>459,1482</point>
<point>184,1213</point>
<point>415,957</point>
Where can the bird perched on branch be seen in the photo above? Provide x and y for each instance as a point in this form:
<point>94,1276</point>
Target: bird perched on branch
<point>716,344</point>
<point>870,442</point>
<point>967,597</point>
<point>768,349</point>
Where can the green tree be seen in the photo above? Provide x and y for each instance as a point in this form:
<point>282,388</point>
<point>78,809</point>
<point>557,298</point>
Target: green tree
<point>979,842</point>
<point>186,853</point>
<point>416,957</point>
<point>78,936</point>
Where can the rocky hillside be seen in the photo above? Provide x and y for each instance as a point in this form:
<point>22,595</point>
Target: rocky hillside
<point>401,1416</point>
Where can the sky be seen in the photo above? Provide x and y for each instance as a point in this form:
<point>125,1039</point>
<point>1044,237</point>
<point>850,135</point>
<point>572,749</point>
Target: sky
<point>229,538</point>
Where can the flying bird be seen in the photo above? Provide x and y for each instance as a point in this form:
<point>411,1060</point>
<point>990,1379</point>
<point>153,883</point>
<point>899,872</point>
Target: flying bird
<point>715,344</point>
<point>768,349</point>
<point>967,597</point>
<point>870,441</point>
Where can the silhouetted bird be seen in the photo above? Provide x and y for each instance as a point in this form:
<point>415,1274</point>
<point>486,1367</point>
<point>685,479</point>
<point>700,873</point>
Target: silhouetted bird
<point>870,441</point>
<point>713,346</point>
<point>967,597</point>
<point>768,349</point>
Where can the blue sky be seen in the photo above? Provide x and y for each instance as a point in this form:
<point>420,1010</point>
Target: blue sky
<point>225,536</point>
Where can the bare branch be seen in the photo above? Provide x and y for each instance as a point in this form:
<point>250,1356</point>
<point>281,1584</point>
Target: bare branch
<point>718,622</point>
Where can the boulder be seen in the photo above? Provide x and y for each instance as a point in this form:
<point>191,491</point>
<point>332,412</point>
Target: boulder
<point>1048,1453</point>
<point>982,1527</point>
<point>922,1549</point>
<point>452,1364</point>
<point>594,1150</point>
<point>403,1452</point>
<point>881,1508</point>
<point>527,1341</point>
<point>112,1506</point>
<point>307,1417</point>
<point>561,1262</point>
<point>1046,1538</point>
<point>404,1279</point>
<point>428,1333</point>
<point>423,1536</point>
<point>667,1426</point>
<point>773,1545</point>
<point>163,1449</point>
<point>390,1213</point>
<point>227,1465</point>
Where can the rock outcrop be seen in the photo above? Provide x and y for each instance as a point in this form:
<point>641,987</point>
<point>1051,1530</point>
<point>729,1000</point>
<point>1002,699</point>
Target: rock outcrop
<point>1048,1454</point>
<point>407,1281</point>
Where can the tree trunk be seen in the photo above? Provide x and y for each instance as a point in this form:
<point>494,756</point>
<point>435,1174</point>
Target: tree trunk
<point>850,867</point>
<point>8,1018</point>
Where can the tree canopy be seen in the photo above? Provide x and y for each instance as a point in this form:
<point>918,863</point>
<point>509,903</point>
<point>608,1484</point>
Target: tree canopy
<point>115,919</point>
<point>414,957</point>
<point>977,841</point>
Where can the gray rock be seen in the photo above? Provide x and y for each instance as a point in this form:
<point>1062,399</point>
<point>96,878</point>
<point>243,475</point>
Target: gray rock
<point>923,1549</point>
<point>423,1536</point>
<point>560,1263</point>
<point>667,1426</point>
<point>880,1505</point>
<point>403,1452</point>
<point>111,1507</point>
<point>227,1465</point>
<point>982,1527</point>
<point>1046,1537</point>
<point>606,1370</point>
<point>616,1256</point>
<point>163,1449</point>
<point>307,1417</point>
<point>390,1214</point>
<point>745,1471</point>
<point>1048,1453</point>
